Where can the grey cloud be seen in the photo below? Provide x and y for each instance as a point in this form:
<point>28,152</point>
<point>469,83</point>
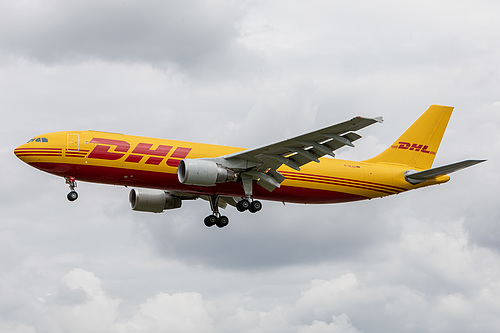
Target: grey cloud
<point>158,32</point>
<point>274,238</point>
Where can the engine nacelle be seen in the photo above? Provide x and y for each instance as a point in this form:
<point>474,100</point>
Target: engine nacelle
<point>204,173</point>
<point>153,201</point>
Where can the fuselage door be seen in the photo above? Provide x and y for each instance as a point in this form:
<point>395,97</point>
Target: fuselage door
<point>368,172</point>
<point>73,143</point>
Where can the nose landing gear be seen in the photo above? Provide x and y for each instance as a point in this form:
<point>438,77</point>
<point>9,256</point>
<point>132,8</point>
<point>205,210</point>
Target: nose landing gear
<point>72,195</point>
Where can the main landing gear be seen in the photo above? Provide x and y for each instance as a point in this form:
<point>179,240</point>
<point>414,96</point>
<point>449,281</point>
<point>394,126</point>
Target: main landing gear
<point>221,221</point>
<point>247,203</point>
<point>252,207</point>
<point>72,195</point>
<point>216,218</point>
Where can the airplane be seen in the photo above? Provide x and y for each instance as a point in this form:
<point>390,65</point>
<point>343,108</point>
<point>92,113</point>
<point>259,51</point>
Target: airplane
<point>163,173</point>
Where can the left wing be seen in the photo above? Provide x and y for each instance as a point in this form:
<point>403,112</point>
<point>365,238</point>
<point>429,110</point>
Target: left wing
<point>261,164</point>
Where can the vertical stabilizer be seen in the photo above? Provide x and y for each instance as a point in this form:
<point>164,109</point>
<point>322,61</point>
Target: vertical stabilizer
<point>417,147</point>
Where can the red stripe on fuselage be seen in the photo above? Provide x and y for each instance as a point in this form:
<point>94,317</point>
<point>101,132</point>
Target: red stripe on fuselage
<point>382,188</point>
<point>339,183</point>
<point>349,180</point>
<point>38,154</point>
<point>37,149</point>
<point>169,181</point>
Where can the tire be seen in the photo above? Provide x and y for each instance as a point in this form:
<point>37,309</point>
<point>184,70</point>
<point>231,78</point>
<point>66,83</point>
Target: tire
<point>210,220</point>
<point>255,206</point>
<point>72,196</point>
<point>242,205</point>
<point>222,221</point>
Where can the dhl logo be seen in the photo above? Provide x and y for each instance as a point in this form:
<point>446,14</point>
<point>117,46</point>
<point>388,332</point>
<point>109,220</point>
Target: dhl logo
<point>414,147</point>
<point>142,150</point>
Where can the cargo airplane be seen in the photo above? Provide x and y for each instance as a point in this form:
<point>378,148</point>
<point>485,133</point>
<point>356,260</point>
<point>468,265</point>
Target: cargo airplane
<point>163,173</point>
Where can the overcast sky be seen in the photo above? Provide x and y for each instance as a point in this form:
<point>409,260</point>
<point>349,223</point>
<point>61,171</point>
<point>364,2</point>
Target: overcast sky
<point>248,73</point>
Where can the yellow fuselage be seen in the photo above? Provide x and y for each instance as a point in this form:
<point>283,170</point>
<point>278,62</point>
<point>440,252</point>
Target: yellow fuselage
<point>126,160</point>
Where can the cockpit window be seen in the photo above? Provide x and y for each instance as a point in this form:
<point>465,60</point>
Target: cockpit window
<point>39,140</point>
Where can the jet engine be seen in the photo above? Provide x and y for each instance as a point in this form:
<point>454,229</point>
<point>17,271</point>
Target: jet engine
<point>153,201</point>
<point>204,173</point>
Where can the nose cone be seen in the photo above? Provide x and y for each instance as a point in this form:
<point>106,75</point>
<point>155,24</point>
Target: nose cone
<point>22,152</point>
<point>36,150</point>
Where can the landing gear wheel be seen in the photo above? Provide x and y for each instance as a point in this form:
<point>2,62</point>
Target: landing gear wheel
<point>222,221</point>
<point>210,220</point>
<point>255,206</point>
<point>243,205</point>
<point>72,196</point>
<point>215,218</point>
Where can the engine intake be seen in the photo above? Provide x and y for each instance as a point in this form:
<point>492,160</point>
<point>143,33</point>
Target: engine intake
<point>152,201</point>
<point>204,173</point>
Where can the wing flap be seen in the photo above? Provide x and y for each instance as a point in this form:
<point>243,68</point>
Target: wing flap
<point>341,141</point>
<point>331,132</point>
<point>282,160</point>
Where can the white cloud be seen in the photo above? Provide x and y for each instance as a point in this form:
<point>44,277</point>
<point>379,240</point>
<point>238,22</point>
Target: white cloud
<point>81,305</point>
<point>408,295</point>
<point>339,324</point>
<point>180,312</point>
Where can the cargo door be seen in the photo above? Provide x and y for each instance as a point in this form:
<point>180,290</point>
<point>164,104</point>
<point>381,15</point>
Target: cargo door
<point>368,172</point>
<point>73,142</point>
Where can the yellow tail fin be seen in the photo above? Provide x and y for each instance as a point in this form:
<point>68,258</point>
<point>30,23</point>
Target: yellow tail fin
<point>417,146</point>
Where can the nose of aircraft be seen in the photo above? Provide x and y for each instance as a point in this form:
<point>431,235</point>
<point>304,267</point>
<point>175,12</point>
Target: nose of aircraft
<point>22,151</point>
<point>35,148</point>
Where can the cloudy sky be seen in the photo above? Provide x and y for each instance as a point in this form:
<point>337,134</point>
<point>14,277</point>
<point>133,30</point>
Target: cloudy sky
<point>248,73</point>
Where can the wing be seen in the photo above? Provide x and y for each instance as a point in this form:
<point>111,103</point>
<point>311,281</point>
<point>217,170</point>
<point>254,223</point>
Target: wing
<point>261,164</point>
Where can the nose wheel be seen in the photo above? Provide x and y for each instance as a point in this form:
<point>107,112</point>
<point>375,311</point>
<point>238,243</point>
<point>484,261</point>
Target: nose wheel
<point>72,195</point>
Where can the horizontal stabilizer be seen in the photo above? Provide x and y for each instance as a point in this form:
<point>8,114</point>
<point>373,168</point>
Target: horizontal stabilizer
<point>415,177</point>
